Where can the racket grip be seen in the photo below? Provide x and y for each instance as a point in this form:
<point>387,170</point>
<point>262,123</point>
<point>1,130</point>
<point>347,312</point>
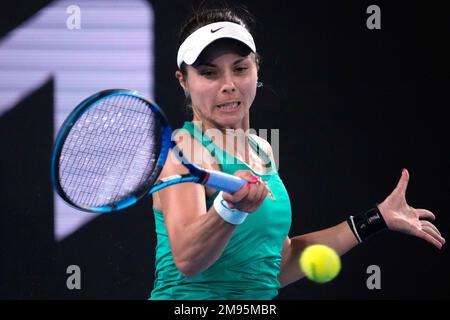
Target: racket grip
<point>223,181</point>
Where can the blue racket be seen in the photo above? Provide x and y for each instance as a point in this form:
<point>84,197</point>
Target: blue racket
<point>111,149</point>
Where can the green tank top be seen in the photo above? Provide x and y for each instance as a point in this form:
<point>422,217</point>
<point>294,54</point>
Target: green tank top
<point>249,265</point>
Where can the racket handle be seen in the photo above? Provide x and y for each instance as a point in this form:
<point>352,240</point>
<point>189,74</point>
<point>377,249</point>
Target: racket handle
<point>224,181</point>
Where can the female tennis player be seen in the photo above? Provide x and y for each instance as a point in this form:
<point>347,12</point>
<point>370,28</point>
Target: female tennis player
<point>216,245</point>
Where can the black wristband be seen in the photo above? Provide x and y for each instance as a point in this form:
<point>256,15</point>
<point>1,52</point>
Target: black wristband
<point>367,223</point>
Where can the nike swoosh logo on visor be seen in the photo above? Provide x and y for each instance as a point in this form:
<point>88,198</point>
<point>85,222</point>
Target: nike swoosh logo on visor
<point>212,31</point>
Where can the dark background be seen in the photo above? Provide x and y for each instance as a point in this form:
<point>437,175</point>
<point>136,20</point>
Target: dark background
<point>353,106</point>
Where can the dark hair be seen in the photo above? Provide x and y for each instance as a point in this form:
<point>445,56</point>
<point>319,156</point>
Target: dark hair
<point>203,17</point>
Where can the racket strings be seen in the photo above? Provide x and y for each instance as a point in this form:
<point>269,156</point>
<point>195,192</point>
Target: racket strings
<point>107,158</point>
<point>110,151</point>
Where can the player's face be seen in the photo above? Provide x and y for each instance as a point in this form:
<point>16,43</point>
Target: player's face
<point>222,88</point>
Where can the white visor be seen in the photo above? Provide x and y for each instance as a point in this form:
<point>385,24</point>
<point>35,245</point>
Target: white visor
<point>191,48</point>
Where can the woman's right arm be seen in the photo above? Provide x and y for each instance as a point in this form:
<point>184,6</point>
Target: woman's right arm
<point>198,236</point>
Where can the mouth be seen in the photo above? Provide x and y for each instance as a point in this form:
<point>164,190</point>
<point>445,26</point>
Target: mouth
<point>229,106</point>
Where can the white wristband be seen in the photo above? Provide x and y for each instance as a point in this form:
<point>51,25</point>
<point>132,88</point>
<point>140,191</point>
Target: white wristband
<point>233,216</point>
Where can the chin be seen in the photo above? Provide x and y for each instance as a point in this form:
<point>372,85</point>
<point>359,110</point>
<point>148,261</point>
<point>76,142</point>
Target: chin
<point>231,123</point>
<point>231,120</point>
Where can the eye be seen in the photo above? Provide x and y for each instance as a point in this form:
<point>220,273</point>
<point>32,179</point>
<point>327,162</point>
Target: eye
<point>207,73</point>
<point>241,69</point>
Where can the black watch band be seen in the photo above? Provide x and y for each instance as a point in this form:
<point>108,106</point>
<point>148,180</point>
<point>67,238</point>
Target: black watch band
<point>367,223</point>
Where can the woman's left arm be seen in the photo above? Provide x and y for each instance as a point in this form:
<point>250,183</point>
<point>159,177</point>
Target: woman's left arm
<point>397,214</point>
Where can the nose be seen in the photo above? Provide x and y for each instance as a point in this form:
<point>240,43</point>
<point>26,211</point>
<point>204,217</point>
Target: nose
<point>228,84</point>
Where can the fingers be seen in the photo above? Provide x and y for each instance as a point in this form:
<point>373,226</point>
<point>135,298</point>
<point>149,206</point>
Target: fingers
<point>259,195</point>
<point>403,182</point>
<point>427,237</point>
<point>242,192</point>
<point>431,229</point>
<point>428,232</point>
<point>425,214</point>
<point>256,195</point>
<point>249,199</point>
<point>247,175</point>
<point>428,224</point>
<point>250,196</point>
<point>236,197</point>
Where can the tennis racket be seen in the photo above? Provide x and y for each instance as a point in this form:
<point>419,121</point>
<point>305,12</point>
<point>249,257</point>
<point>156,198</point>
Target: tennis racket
<point>111,149</point>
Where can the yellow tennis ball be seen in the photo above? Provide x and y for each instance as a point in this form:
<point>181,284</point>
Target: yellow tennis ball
<point>320,263</point>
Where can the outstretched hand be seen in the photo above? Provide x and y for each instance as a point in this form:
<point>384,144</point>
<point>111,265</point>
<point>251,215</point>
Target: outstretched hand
<point>399,216</point>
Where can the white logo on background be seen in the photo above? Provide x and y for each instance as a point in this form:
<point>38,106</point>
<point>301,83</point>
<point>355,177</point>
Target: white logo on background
<point>374,280</point>
<point>374,20</point>
<point>74,280</point>
<point>74,20</point>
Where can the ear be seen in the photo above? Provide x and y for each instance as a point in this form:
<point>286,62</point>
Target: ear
<point>181,79</point>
